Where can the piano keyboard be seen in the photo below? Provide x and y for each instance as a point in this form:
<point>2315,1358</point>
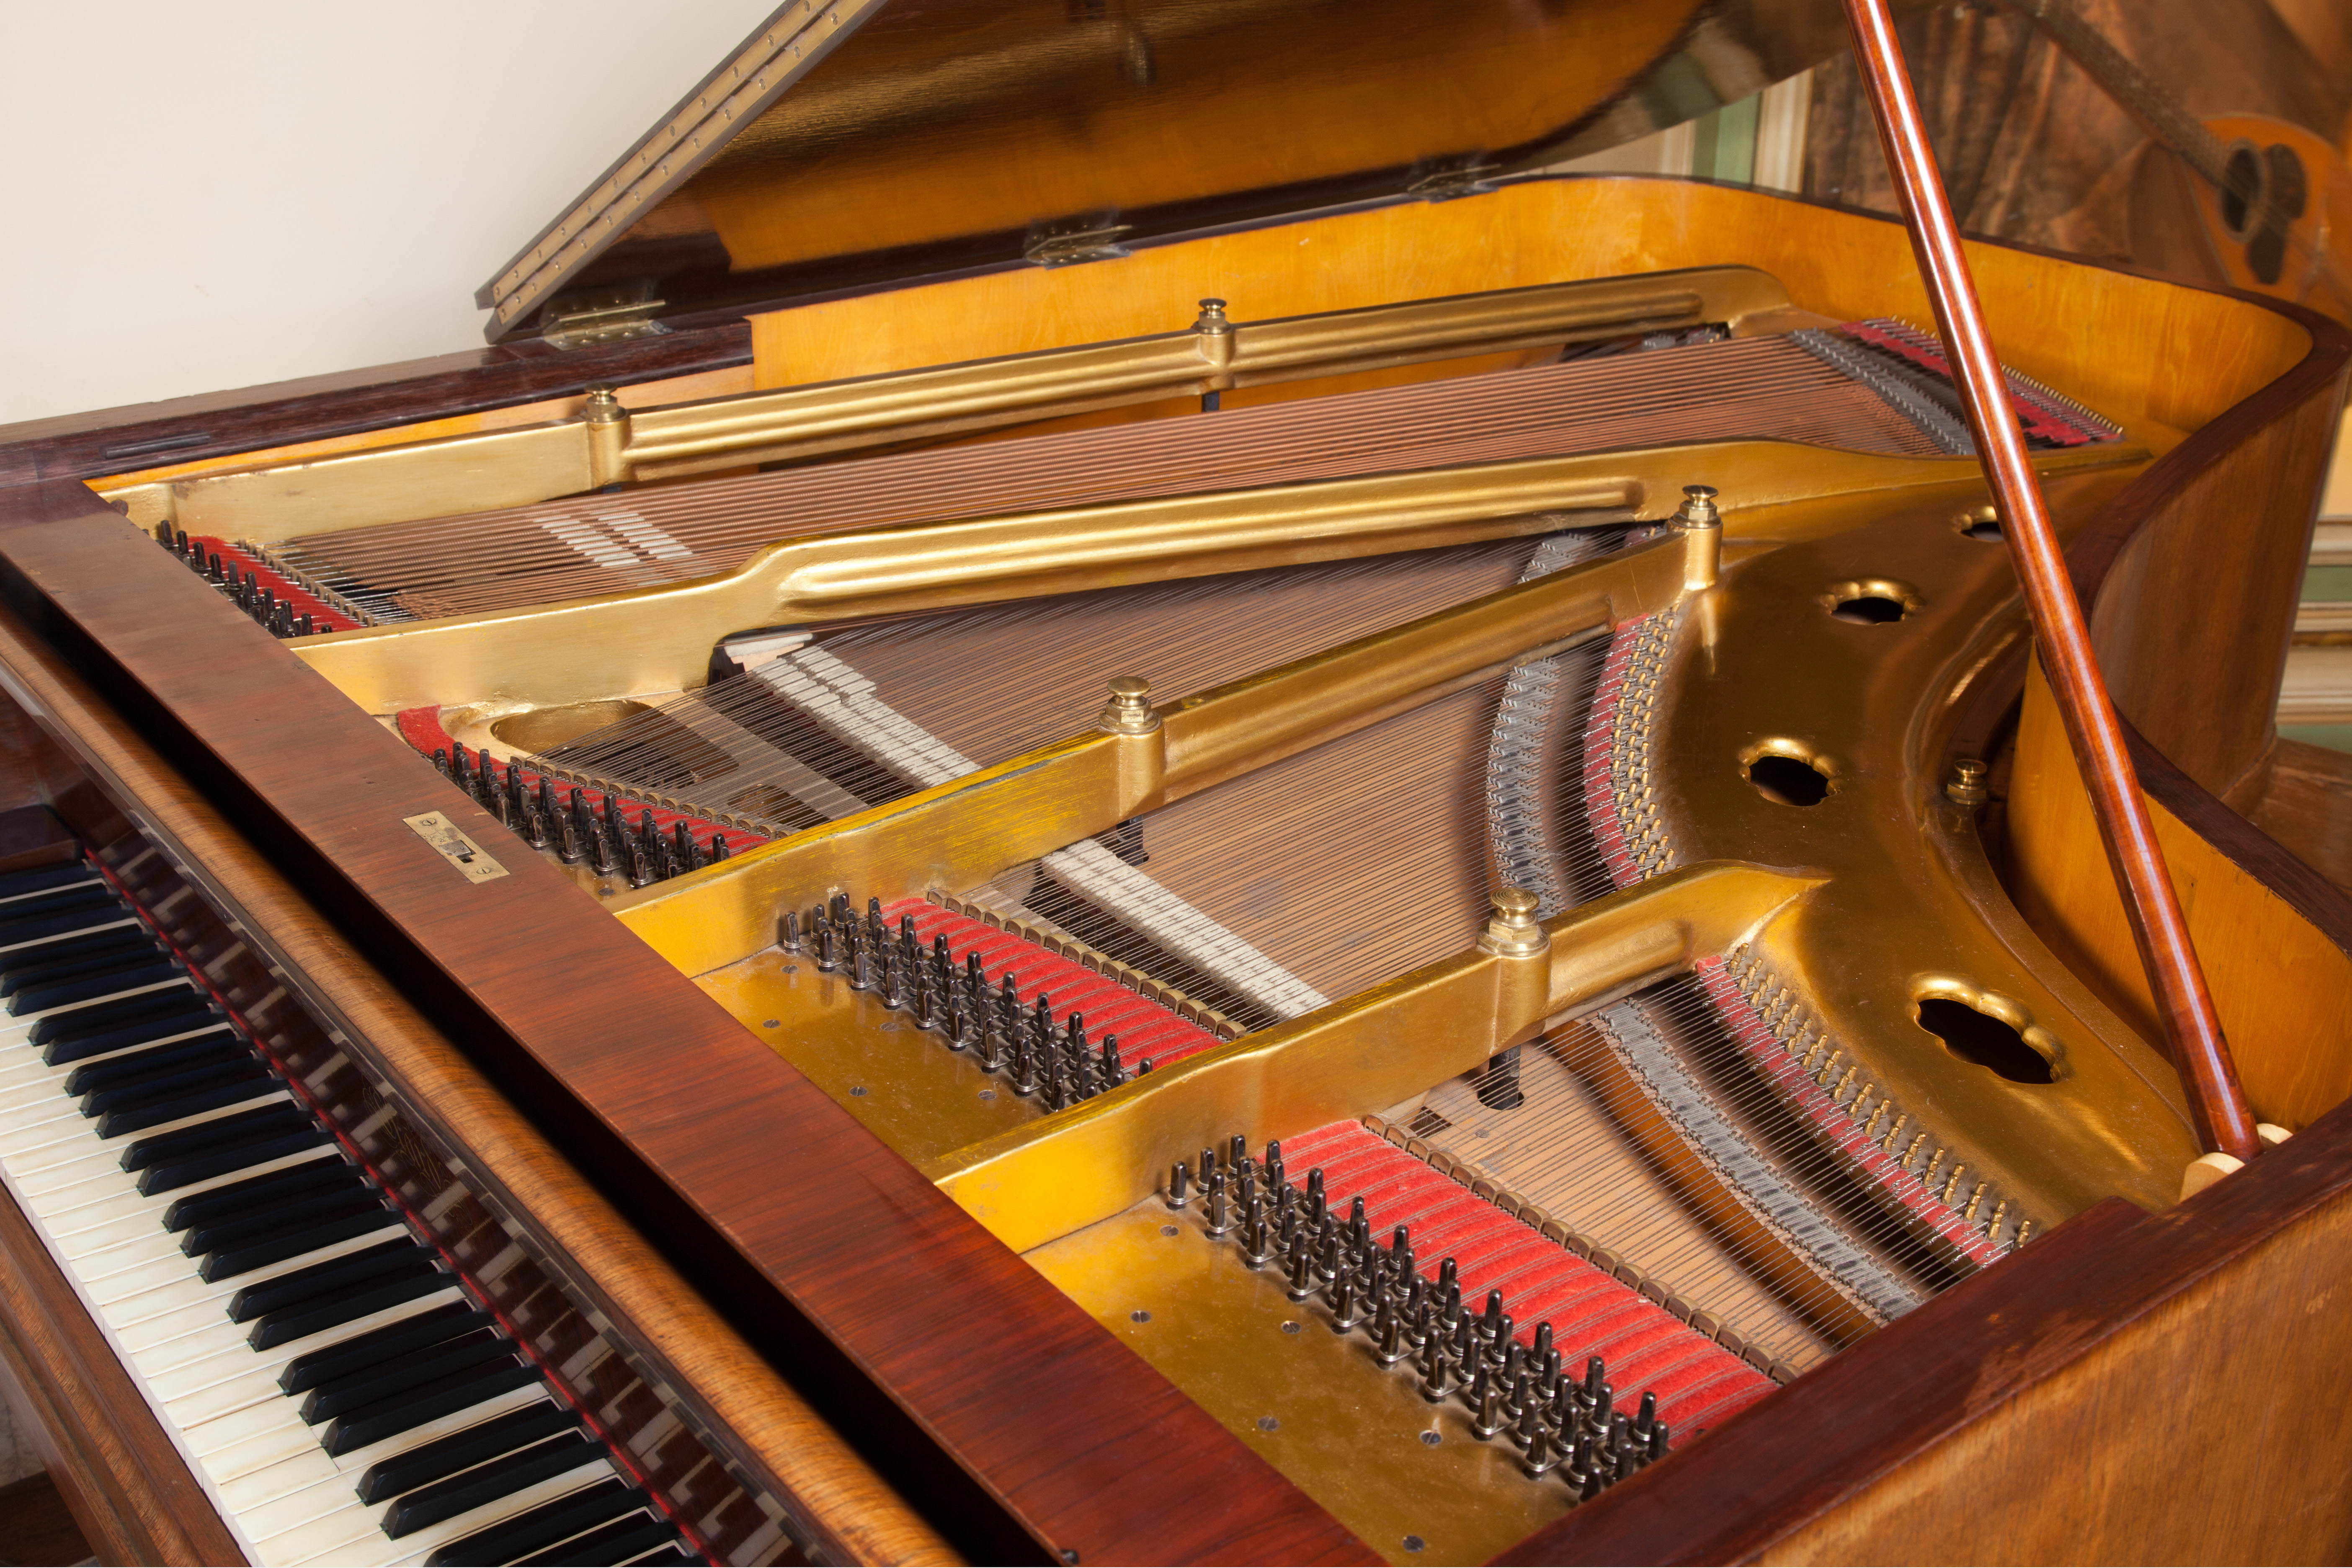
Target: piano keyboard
<point>340,1390</point>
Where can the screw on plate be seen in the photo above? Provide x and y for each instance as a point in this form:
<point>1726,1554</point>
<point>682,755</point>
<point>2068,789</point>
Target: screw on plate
<point>1965,787</point>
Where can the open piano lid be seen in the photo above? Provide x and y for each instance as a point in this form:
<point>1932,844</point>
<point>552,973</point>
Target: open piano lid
<point>869,141</point>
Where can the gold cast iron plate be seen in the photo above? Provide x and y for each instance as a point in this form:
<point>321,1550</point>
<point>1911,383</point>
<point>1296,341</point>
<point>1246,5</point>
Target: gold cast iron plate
<point>901,1081</point>
<point>1314,1403</point>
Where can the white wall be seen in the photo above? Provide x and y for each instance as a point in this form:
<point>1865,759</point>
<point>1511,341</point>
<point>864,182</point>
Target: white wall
<point>215,195</point>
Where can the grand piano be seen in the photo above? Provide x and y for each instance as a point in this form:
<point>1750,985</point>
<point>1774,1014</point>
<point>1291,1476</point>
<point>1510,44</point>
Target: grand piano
<point>1110,795</point>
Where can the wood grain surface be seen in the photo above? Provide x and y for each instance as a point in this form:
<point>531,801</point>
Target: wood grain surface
<point>692,1128</point>
<point>837,1501</point>
<point>2280,980</point>
<point>185,429</point>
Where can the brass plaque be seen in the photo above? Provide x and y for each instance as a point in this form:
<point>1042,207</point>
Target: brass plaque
<point>472,861</point>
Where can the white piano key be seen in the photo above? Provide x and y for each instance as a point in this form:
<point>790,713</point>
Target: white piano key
<point>228,1396</point>
<point>96,1264</point>
<point>265,1520</point>
<point>414,1549</point>
<point>44,1121</point>
<point>108,1182</point>
<point>237,1442</point>
<point>94,1226</point>
<point>281,1480</point>
<point>351,1534</point>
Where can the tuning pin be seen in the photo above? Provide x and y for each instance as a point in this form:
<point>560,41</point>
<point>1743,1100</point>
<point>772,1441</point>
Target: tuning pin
<point>1274,1171</point>
<point>1303,1279</point>
<point>1432,1369</point>
<point>535,828</point>
<point>1220,1220</point>
<point>789,939</point>
<point>1114,1074</point>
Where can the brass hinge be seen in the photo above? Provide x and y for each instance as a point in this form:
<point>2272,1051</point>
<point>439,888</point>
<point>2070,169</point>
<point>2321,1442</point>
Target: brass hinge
<point>608,314</point>
<point>1064,242</point>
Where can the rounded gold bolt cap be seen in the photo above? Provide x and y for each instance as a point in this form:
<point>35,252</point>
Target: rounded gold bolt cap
<point>1129,711</point>
<point>1212,318</point>
<point>1966,785</point>
<point>1698,508</point>
<point>602,407</point>
<point>1514,931</point>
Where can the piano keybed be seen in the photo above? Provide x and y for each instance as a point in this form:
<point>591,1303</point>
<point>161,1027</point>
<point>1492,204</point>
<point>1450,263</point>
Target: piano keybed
<point>359,1363</point>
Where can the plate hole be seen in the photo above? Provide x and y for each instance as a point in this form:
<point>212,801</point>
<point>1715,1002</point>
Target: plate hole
<point>1869,610</point>
<point>1433,1438</point>
<point>1415,1543</point>
<point>1983,525</point>
<point>1980,1037</point>
<point>1792,780</point>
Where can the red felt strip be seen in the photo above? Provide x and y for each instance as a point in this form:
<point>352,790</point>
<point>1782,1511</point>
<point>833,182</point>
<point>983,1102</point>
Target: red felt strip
<point>1698,1383</point>
<point>421,728</point>
<point>299,600</point>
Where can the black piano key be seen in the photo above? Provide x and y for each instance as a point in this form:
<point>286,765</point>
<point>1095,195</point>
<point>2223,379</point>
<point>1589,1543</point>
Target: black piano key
<point>131,1067</point>
<point>488,1483</point>
<point>222,1204</point>
<point>42,995</point>
<point>60,915</point>
<point>548,1524</point>
<point>288,1213</point>
<point>196,1017</point>
<point>202,1164</point>
<point>391,1378</point>
<point>323,1313</point>
<point>623,1541</point>
<point>107,953</point>
<point>228,1262</point>
<point>246,1126</point>
<point>47,878</point>
<point>96,948</point>
<point>313,1368</point>
<point>445,1457</point>
<point>89,893</point>
<point>128,1107</point>
<point>108,1017</point>
<point>426,1401</point>
<point>404,1255</point>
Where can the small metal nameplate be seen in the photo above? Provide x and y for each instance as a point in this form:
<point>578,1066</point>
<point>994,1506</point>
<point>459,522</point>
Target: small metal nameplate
<point>472,861</point>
